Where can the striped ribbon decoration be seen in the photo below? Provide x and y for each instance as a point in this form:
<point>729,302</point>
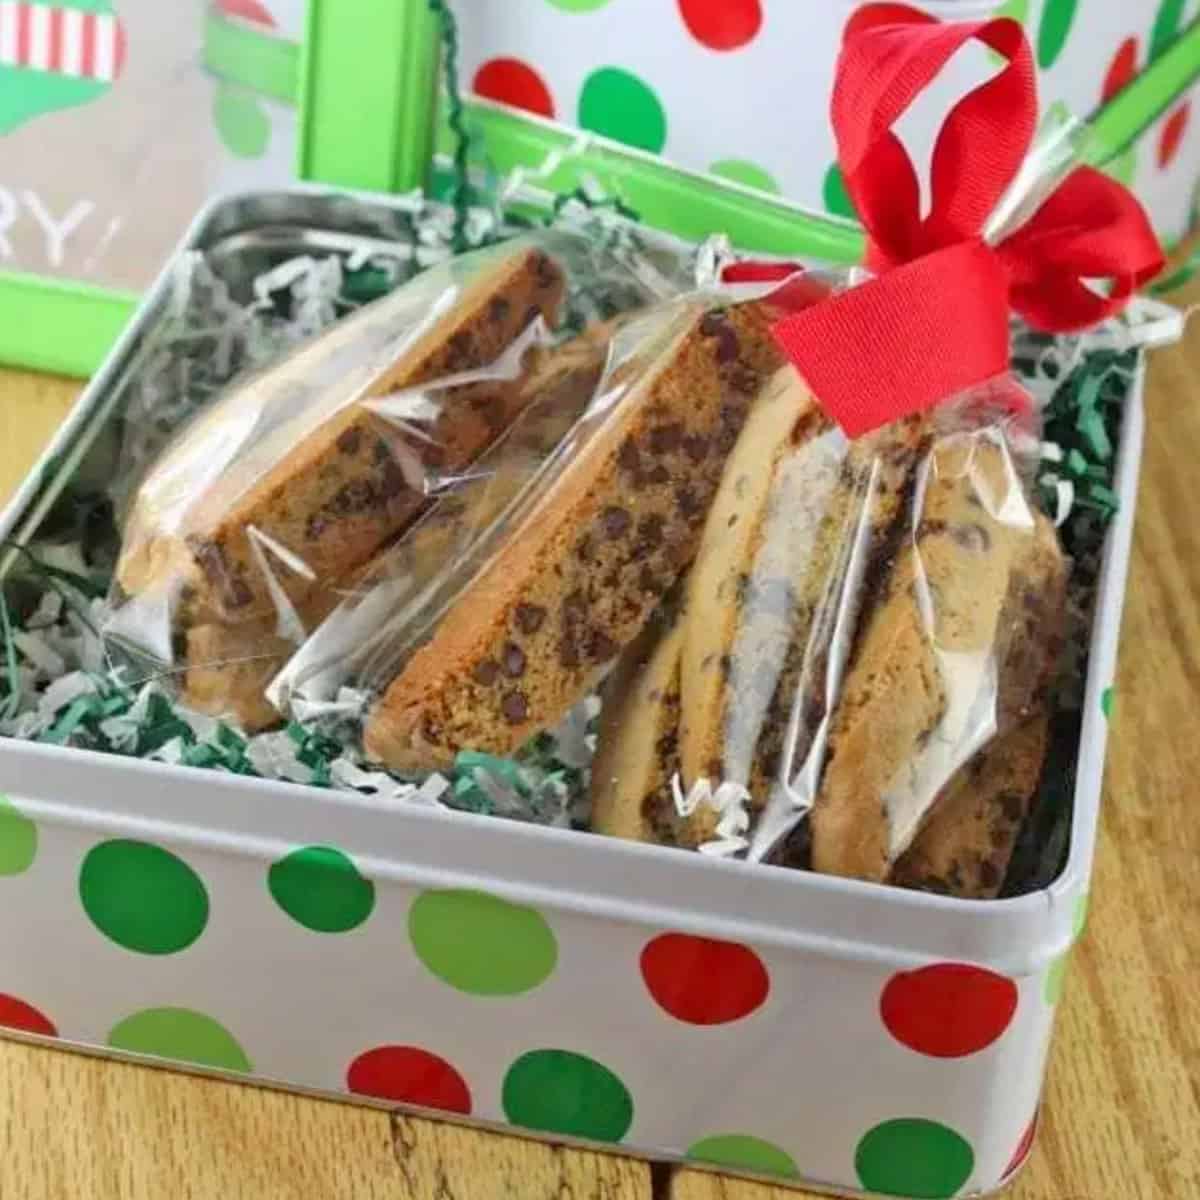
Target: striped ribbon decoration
<point>61,41</point>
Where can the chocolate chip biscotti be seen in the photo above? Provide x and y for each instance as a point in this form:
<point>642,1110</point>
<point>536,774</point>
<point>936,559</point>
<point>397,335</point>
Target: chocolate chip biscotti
<point>229,666</point>
<point>618,520</point>
<point>926,660</point>
<point>309,485</point>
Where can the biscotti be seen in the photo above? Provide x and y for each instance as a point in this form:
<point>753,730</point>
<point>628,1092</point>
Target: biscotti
<point>965,847</point>
<point>637,748</point>
<point>230,666</point>
<point>926,658</point>
<point>306,486</point>
<point>618,520</point>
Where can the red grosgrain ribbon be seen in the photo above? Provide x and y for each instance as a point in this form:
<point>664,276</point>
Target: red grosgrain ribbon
<point>934,320</point>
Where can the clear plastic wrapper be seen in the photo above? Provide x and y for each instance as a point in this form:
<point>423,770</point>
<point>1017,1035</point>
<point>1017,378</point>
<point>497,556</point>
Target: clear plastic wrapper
<point>273,502</point>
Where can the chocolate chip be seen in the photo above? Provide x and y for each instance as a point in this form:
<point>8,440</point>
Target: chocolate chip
<point>648,583</point>
<point>349,441</point>
<point>600,646</point>
<point>498,309</point>
<point>392,482</point>
<point>574,608</point>
<point>629,458</point>
<point>972,537</point>
<point>659,474</point>
<point>383,452</point>
<point>315,527</point>
<point>487,672</point>
<point>667,746</point>
<point>568,651</point>
<point>696,448</point>
<point>1012,804</point>
<point>688,504</point>
<point>664,439</point>
<point>354,497</point>
<point>989,874</point>
<point>726,663</point>
<point>585,551</point>
<point>239,594</point>
<point>529,618</point>
<point>650,530</point>
<point>513,660</point>
<point>713,324</point>
<point>743,379</point>
<point>616,522</point>
<point>514,707</point>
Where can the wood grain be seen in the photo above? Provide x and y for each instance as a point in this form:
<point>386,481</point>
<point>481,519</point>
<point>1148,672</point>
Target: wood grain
<point>1122,1118</point>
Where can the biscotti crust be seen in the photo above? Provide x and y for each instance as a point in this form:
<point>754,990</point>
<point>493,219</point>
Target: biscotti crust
<point>332,498</point>
<point>579,577</point>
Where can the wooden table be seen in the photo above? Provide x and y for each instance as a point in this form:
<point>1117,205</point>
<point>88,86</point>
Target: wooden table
<point>1122,1121</point>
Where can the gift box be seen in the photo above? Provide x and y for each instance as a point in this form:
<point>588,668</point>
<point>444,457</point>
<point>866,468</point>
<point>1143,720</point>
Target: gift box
<point>382,948</point>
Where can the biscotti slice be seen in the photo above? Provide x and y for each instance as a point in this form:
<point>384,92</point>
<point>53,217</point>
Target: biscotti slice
<point>317,482</point>
<point>618,519</point>
<point>926,661</point>
<point>637,751</point>
<point>965,846</point>
<point>560,386</point>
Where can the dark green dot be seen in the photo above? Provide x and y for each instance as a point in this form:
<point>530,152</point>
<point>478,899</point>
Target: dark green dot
<point>242,122</point>
<point>18,839</point>
<point>740,1152</point>
<point>618,105</point>
<point>914,1157</point>
<point>1166,26</point>
<point>143,897</point>
<point>1106,703</point>
<point>837,199</point>
<point>481,944</point>
<point>320,888</point>
<point>746,173</point>
<point>555,1091</point>
<point>1057,18</point>
<point>181,1034</point>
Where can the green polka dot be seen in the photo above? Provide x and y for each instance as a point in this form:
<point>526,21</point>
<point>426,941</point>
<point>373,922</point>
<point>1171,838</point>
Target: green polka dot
<point>480,943</point>
<point>1106,703</point>
<point>242,122</point>
<point>555,1091</point>
<point>914,1157</point>
<point>1057,18</point>
<point>1055,978</point>
<point>1081,913</point>
<point>837,199</point>
<point>18,839</point>
<point>320,888</point>
<point>747,173</point>
<point>740,1152</point>
<point>579,5</point>
<point>143,897</point>
<point>618,105</point>
<point>181,1034</point>
<point>1166,26</point>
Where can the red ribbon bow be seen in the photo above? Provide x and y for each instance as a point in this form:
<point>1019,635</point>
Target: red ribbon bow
<point>934,320</point>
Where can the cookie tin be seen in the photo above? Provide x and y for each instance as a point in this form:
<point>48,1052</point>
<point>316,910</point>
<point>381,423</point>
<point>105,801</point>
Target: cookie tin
<point>558,984</point>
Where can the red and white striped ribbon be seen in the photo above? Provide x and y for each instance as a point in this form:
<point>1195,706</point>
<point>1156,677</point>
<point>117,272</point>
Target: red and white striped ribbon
<point>61,41</point>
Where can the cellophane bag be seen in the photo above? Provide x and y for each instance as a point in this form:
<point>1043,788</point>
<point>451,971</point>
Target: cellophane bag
<point>277,499</point>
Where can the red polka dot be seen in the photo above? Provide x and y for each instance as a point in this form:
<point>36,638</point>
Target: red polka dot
<point>510,81</point>
<point>16,1014</point>
<point>1121,70</point>
<point>704,982</point>
<point>1023,1147</point>
<point>722,24</point>
<point>408,1075</point>
<point>948,1010</point>
<point>1172,135</point>
<point>248,10</point>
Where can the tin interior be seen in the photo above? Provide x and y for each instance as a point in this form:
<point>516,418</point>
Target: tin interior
<point>247,234</point>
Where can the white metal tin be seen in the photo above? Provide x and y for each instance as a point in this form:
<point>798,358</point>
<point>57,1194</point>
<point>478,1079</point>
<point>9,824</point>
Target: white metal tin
<point>522,970</point>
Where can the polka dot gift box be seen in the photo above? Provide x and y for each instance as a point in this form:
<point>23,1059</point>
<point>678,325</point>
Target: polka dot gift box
<point>703,82</point>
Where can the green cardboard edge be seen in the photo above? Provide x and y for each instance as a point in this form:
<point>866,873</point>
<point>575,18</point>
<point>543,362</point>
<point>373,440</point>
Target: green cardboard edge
<point>367,103</point>
<point>255,58</point>
<point>59,326</point>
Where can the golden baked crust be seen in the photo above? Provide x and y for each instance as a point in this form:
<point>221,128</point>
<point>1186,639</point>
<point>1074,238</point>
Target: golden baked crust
<point>589,562</point>
<point>329,484</point>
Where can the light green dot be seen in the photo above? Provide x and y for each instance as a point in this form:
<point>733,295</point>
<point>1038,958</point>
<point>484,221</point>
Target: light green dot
<point>1081,913</point>
<point>577,6</point>
<point>914,1157</point>
<point>618,105</point>
<point>746,173</point>
<point>481,944</point>
<point>556,1091</point>
<point>1055,978</point>
<point>321,889</point>
<point>242,122</point>
<point>18,839</point>
<point>740,1152</point>
<point>837,199</point>
<point>143,897</point>
<point>181,1034</point>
